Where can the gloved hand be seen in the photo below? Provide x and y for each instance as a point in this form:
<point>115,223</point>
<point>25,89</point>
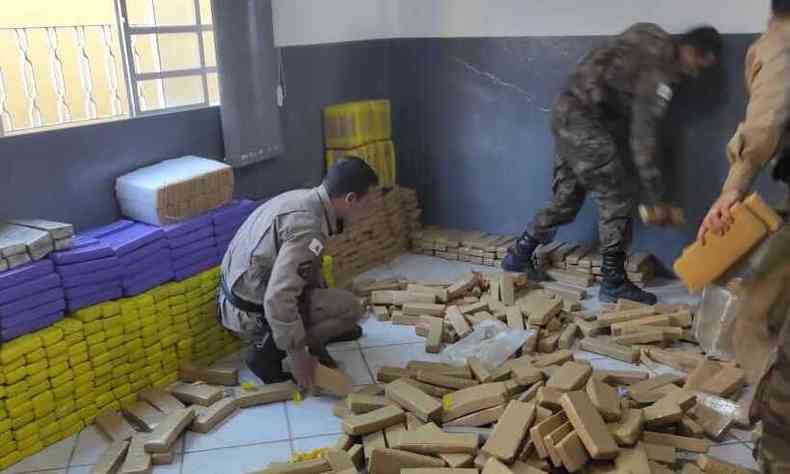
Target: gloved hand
<point>662,215</point>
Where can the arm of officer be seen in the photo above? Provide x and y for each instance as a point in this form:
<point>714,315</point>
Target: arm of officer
<point>653,95</point>
<point>758,137</point>
<point>301,241</point>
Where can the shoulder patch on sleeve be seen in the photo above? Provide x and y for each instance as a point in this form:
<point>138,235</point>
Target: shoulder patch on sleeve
<point>664,91</point>
<point>316,247</point>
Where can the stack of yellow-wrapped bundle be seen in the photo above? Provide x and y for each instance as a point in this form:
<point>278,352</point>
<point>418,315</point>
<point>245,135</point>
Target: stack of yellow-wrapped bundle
<point>362,129</point>
<point>56,381</point>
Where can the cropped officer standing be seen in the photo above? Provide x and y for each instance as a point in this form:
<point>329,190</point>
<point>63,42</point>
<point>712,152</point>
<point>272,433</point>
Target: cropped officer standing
<point>763,324</point>
<point>273,291</point>
<point>618,94</point>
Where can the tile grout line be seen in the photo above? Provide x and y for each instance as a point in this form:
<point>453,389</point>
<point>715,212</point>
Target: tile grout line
<point>370,371</point>
<point>288,424</point>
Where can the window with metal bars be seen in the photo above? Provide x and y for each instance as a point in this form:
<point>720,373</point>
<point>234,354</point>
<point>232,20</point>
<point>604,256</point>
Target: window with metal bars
<point>141,57</point>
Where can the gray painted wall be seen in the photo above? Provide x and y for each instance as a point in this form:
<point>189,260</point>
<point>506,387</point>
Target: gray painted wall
<point>68,174</point>
<point>472,127</point>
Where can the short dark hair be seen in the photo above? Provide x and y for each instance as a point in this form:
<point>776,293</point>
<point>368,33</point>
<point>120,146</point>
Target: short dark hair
<point>780,7</point>
<point>705,39</point>
<point>350,175</point>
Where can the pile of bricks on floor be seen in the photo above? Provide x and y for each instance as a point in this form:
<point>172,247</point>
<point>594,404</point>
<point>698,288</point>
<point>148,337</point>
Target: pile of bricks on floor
<point>376,237</point>
<point>145,433</point>
<point>529,416</point>
<point>541,409</point>
<point>565,262</point>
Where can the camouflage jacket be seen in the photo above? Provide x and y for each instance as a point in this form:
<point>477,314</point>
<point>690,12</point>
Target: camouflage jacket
<point>631,79</point>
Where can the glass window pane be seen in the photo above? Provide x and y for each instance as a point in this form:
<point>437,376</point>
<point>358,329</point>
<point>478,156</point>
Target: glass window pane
<point>174,92</point>
<point>208,49</point>
<point>161,12</point>
<point>206,16</point>
<point>213,88</point>
<point>140,12</point>
<point>165,52</point>
<point>150,95</point>
<point>180,91</point>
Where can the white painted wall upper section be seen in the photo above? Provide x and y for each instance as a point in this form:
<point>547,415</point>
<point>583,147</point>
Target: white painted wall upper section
<point>300,22</point>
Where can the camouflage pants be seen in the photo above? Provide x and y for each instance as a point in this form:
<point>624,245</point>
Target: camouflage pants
<point>587,160</point>
<point>764,335</point>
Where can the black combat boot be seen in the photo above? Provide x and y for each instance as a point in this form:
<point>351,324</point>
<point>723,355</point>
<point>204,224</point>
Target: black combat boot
<point>265,360</point>
<point>616,284</point>
<point>519,259</point>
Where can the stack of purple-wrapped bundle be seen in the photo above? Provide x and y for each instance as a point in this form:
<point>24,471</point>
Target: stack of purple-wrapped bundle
<point>90,273</point>
<point>227,220</point>
<point>31,298</point>
<point>142,253</point>
<point>192,246</point>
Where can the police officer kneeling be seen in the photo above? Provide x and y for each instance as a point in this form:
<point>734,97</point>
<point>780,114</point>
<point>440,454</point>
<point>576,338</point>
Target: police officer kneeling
<point>273,293</point>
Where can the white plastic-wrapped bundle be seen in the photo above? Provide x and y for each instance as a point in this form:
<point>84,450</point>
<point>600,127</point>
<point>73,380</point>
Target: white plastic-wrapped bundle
<point>174,190</point>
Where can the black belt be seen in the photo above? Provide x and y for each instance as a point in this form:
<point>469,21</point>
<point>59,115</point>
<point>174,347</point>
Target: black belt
<point>237,302</point>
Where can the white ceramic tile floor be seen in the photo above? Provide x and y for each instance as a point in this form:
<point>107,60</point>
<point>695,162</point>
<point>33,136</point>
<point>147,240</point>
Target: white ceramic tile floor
<point>254,437</point>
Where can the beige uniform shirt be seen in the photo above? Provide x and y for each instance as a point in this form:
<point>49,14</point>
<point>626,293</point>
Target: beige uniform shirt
<point>274,256</point>
<point>764,131</point>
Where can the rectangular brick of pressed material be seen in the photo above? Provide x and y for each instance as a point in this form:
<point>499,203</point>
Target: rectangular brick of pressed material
<point>589,425</point>
<point>457,320</point>
<point>701,264</point>
<point>510,431</point>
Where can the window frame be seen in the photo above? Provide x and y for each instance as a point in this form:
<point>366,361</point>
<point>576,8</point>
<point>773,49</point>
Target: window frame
<point>127,31</point>
<point>131,77</point>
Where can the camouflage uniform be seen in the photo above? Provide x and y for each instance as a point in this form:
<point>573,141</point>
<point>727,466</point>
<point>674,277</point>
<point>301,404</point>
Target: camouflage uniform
<point>763,347</point>
<point>274,261</point>
<point>618,94</point>
<point>763,342</point>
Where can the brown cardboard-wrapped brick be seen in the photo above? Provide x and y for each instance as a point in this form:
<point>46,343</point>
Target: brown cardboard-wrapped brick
<point>206,418</point>
<point>391,461</point>
<point>161,400</point>
<point>162,438</point>
<point>228,376</point>
<point>115,426</point>
<point>412,399</point>
<point>373,421</point>
<point>510,431</point>
<point>197,393</point>
<point>332,381</point>
<point>589,425</point>
<point>472,399</point>
<point>265,394</point>
<point>111,459</point>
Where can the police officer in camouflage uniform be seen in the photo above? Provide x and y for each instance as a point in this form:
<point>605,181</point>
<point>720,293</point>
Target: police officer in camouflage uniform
<point>273,290</point>
<point>618,94</point>
<point>763,326</point>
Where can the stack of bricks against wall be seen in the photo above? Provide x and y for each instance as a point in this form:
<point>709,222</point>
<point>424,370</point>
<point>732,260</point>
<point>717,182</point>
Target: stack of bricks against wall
<point>378,236</point>
<point>158,331</point>
<point>490,249</point>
